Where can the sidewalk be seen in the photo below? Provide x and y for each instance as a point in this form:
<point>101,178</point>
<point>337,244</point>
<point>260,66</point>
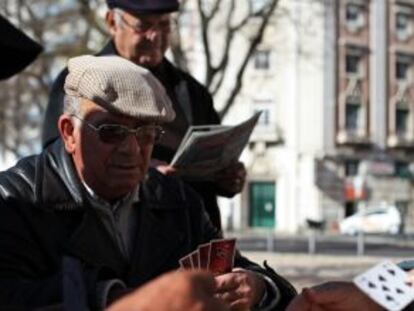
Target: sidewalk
<point>306,270</point>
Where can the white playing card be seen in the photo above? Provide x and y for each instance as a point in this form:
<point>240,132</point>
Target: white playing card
<point>387,285</point>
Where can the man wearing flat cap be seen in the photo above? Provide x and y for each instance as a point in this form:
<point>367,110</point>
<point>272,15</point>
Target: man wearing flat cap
<point>90,198</point>
<point>140,32</point>
<point>192,289</point>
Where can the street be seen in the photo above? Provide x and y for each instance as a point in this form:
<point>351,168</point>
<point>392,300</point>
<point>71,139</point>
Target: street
<point>335,257</point>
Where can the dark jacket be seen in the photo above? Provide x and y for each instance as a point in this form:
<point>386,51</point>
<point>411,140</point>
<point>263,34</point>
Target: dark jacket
<point>191,101</point>
<point>46,217</point>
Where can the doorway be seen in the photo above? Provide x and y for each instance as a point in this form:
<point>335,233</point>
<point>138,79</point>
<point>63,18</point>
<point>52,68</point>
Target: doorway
<point>262,204</point>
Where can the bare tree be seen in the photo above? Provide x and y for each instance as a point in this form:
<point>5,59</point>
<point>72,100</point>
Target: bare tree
<point>222,23</point>
<point>73,27</point>
<point>64,29</point>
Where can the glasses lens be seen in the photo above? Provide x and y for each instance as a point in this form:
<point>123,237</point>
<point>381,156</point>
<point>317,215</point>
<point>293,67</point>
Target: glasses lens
<point>109,133</point>
<point>149,134</point>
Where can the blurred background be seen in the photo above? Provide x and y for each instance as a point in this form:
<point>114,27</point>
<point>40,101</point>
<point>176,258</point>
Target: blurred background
<point>330,164</point>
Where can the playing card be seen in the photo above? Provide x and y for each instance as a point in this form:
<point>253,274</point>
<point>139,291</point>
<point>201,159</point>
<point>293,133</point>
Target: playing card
<point>204,255</point>
<point>186,262</point>
<point>195,260</point>
<point>387,285</point>
<point>222,256</point>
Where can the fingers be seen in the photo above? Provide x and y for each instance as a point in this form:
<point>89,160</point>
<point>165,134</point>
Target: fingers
<point>226,282</point>
<point>241,289</point>
<point>329,292</point>
<point>300,303</point>
<point>240,305</point>
<point>204,280</point>
<point>235,300</point>
<point>166,169</point>
<point>232,178</point>
<point>411,278</point>
<point>235,170</point>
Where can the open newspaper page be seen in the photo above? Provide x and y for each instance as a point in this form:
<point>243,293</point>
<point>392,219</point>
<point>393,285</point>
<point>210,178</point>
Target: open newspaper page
<point>207,149</point>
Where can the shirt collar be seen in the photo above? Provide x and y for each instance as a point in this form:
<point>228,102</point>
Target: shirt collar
<point>96,200</point>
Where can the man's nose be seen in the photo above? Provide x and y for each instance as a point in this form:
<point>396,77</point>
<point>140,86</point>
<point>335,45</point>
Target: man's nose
<point>153,33</point>
<point>130,144</point>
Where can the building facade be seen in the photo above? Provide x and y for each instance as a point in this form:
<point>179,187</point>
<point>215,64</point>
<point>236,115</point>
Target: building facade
<point>334,80</point>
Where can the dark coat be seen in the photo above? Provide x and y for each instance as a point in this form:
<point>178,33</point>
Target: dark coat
<point>45,217</point>
<point>191,101</point>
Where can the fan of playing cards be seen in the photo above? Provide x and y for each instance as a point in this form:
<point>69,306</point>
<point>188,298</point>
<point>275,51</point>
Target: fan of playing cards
<point>386,284</point>
<point>216,256</point>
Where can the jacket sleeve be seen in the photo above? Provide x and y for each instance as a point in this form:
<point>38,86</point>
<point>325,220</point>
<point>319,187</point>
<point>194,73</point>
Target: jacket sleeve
<point>54,109</point>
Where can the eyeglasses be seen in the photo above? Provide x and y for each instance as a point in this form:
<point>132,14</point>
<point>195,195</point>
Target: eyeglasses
<point>142,27</point>
<point>115,134</point>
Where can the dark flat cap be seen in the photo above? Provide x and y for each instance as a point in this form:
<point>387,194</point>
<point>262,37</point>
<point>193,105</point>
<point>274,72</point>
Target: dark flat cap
<point>17,49</point>
<point>144,6</point>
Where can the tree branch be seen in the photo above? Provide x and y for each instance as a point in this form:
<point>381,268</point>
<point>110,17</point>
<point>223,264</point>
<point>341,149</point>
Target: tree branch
<point>89,14</point>
<point>255,42</point>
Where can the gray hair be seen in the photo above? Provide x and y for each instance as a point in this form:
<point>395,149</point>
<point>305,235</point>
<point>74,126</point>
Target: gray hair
<point>118,17</point>
<point>71,105</point>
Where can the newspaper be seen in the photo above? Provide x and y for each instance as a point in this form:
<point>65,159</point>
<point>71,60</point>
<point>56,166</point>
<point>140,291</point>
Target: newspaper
<point>206,149</point>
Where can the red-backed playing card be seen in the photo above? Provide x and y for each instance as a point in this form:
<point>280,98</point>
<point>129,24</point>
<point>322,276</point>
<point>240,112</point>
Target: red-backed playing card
<point>186,263</point>
<point>195,259</point>
<point>204,255</point>
<point>222,256</point>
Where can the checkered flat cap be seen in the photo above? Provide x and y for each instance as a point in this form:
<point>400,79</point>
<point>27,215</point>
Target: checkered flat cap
<point>119,86</point>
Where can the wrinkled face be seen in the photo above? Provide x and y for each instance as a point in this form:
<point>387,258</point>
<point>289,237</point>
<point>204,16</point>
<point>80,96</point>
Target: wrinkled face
<point>141,39</point>
<point>111,170</point>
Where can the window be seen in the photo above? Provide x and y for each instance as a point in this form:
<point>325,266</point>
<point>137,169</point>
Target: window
<point>352,117</point>
<point>352,13</point>
<point>352,64</point>
<point>401,120</point>
<point>402,169</point>
<point>403,25</point>
<point>351,167</point>
<point>262,59</point>
<point>402,69</point>
<point>266,107</point>
<point>402,21</point>
<point>257,6</point>
<point>350,208</point>
<point>264,117</point>
<point>354,16</point>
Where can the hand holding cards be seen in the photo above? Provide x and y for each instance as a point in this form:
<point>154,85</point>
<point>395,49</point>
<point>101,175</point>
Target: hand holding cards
<point>216,256</point>
<point>387,285</point>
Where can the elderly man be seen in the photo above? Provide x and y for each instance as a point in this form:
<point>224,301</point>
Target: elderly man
<point>191,290</point>
<point>90,197</point>
<point>140,32</point>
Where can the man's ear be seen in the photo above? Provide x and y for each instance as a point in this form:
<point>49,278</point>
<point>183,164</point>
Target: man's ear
<point>110,22</point>
<point>67,132</point>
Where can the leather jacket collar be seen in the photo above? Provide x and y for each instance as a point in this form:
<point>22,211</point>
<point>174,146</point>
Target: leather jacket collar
<point>59,187</point>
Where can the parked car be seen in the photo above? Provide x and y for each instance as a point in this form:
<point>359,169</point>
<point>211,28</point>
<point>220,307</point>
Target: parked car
<point>372,220</point>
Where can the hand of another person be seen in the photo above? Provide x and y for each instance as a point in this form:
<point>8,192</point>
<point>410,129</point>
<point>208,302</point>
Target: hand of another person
<point>411,277</point>
<point>333,296</point>
<point>175,291</point>
<point>232,178</point>
<point>241,289</point>
<point>163,167</point>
